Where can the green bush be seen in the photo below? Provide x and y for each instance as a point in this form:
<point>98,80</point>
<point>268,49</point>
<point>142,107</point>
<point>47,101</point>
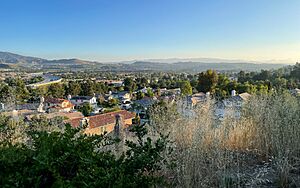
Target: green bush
<point>73,159</point>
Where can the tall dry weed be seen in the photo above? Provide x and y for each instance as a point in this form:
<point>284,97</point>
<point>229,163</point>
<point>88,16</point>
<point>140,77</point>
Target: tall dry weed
<point>260,148</point>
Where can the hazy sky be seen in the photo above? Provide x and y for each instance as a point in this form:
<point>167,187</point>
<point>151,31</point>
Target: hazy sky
<point>107,30</point>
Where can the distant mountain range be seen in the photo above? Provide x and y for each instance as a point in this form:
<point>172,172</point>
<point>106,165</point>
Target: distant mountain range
<point>15,61</point>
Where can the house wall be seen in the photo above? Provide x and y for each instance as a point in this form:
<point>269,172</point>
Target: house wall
<point>108,128</point>
<point>79,102</point>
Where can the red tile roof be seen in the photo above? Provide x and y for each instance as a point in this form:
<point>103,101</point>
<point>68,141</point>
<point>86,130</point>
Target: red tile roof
<point>103,119</point>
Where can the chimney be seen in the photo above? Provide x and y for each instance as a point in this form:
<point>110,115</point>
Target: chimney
<point>84,122</point>
<point>1,107</point>
<point>233,93</point>
<point>118,129</point>
<point>69,97</point>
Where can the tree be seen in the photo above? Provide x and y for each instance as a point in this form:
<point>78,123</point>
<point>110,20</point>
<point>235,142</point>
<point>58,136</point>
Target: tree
<point>129,84</point>
<point>19,88</point>
<point>186,88</point>
<point>87,88</point>
<point>86,109</point>
<point>263,75</point>
<point>6,93</point>
<point>73,88</point>
<point>295,73</point>
<point>140,95</point>
<point>101,88</point>
<point>111,103</point>
<point>149,92</point>
<point>280,83</point>
<point>56,90</point>
<point>207,81</point>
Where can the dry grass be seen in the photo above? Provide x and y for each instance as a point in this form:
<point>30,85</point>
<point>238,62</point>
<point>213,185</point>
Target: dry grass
<point>259,149</point>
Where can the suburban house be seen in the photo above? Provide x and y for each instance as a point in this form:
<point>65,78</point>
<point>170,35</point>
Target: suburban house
<point>79,100</point>
<point>167,98</point>
<point>196,98</point>
<point>143,104</point>
<point>58,105</point>
<point>176,91</point>
<point>145,90</point>
<point>122,96</point>
<point>98,124</point>
<point>236,100</point>
<point>166,92</point>
<point>232,106</point>
<point>163,91</point>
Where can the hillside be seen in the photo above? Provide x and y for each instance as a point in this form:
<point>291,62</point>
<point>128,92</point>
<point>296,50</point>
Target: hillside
<point>174,65</point>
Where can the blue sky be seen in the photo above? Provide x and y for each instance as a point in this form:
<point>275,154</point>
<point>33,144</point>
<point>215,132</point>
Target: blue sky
<point>108,30</point>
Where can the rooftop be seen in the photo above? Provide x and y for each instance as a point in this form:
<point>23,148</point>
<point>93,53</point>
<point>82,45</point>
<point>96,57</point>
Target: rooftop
<point>55,100</point>
<point>102,119</point>
<point>82,98</point>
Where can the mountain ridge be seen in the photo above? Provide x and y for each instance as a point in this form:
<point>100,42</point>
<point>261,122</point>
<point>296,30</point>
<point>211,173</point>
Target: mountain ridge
<point>172,64</point>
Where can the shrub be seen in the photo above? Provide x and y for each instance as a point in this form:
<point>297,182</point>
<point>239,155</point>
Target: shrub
<point>73,159</point>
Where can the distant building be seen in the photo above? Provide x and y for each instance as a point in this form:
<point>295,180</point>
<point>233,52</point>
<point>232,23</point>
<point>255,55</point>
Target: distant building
<point>165,91</point>
<point>98,124</point>
<point>115,83</point>
<point>145,90</point>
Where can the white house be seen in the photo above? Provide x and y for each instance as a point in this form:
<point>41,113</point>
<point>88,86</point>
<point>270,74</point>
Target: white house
<point>79,100</point>
<point>232,106</point>
<point>236,100</point>
<point>145,90</point>
<point>122,96</point>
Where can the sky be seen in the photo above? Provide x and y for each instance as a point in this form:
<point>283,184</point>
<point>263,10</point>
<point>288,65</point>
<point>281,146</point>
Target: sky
<point>115,30</point>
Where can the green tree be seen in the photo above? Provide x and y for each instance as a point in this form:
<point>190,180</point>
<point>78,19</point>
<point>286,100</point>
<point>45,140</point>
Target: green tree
<point>73,88</point>
<point>86,109</point>
<point>186,88</point>
<point>20,91</point>
<point>111,103</point>
<point>87,88</point>
<point>280,83</point>
<point>295,73</point>
<point>129,84</point>
<point>140,95</point>
<point>56,90</point>
<point>6,94</point>
<point>207,81</point>
<point>149,92</point>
